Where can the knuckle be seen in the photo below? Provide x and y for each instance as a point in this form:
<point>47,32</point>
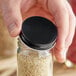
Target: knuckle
<point>63,12</point>
<point>58,48</point>
<point>72,16</point>
<point>68,43</point>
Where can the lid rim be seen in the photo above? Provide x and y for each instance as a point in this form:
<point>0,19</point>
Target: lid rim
<point>37,46</point>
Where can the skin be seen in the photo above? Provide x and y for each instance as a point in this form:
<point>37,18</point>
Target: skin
<point>71,55</point>
<point>58,11</point>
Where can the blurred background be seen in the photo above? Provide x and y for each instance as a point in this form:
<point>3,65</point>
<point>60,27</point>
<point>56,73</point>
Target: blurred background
<point>8,49</point>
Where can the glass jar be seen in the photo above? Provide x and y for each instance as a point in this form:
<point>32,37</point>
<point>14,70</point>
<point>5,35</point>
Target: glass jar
<point>34,57</point>
<point>32,62</point>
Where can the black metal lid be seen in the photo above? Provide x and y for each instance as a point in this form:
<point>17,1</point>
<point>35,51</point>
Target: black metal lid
<point>38,33</point>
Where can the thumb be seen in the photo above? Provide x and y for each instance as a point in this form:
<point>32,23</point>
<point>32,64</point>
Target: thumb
<point>61,16</point>
<point>12,18</point>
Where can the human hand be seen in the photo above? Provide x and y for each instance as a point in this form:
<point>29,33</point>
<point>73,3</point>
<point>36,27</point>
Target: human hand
<point>12,11</point>
<point>58,11</point>
<point>71,55</point>
<point>65,21</point>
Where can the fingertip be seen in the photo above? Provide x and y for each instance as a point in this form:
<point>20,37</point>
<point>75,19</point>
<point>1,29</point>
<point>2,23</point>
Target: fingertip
<point>14,29</point>
<point>15,33</point>
<point>60,54</point>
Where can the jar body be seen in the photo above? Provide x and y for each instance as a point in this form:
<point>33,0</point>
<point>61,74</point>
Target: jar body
<point>32,62</point>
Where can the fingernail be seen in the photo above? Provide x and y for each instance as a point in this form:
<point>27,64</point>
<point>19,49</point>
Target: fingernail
<point>63,54</point>
<point>12,29</point>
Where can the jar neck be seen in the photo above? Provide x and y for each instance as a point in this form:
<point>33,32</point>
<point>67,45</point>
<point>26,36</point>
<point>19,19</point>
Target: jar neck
<point>25,48</point>
<point>22,45</point>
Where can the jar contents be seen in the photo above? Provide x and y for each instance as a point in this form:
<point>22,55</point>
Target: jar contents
<point>32,63</point>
